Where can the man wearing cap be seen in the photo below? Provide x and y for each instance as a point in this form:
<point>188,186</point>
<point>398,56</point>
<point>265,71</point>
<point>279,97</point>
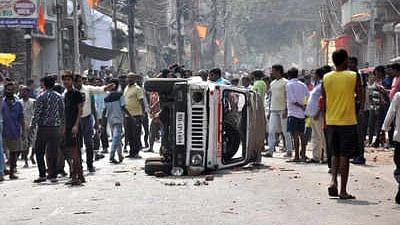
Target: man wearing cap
<point>135,110</point>
<point>86,124</point>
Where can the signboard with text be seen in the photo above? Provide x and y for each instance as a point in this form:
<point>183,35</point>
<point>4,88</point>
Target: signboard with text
<point>18,13</point>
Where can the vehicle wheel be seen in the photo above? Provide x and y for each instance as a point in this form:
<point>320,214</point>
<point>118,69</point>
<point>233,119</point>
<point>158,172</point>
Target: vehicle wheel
<point>152,167</point>
<point>231,142</point>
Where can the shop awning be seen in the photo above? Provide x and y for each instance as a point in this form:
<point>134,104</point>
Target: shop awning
<point>98,53</point>
<point>7,59</point>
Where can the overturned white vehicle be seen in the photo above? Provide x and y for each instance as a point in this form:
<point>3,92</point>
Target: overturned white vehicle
<point>206,126</point>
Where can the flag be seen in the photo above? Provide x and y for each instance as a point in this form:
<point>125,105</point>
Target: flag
<point>218,43</point>
<point>41,21</point>
<point>202,30</point>
<point>92,3</point>
<point>312,35</point>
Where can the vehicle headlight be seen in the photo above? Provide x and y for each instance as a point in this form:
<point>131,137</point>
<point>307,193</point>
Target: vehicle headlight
<point>197,97</point>
<point>197,160</point>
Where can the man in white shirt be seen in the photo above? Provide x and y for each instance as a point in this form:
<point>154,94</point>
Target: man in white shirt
<point>278,111</point>
<point>296,95</point>
<point>86,125</point>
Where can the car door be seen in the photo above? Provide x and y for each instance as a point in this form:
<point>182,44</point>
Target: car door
<point>232,123</point>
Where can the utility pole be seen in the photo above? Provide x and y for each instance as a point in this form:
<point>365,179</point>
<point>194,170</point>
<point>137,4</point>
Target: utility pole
<point>115,34</point>
<point>371,35</point>
<point>77,64</point>
<point>131,35</point>
<point>194,35</point>
<point>179,39</point>
<point>60,55</point>
<point>214,31</point>
<point>227,14</point>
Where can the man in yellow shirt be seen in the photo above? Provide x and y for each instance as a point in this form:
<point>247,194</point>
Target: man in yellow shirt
<point>339,90</point>
<point>134,112</point>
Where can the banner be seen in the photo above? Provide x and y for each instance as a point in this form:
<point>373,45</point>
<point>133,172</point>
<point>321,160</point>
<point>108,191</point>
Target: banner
<point>18,13</point>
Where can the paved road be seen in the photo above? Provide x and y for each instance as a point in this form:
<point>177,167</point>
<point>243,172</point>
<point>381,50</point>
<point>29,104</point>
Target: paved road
<point>281,193</point>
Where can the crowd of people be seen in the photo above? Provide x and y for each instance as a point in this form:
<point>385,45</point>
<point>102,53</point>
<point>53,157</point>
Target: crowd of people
<point>339,110</point>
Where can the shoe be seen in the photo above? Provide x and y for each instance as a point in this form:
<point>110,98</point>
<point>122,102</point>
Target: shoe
<point>121,159</point>
<point>6,172</point>
<point>137,156</point>
<point>13,177</point>
<point>98,157</point>
<point>82,179</point>
<point>288,155</point>
<point>91,169</point>
<point>53,180</point>
<point>130,156</point>
<point>63,173</point>
<point>358,161</point>
<point>40,180</point>
<point>113,161</point>
<point>313,161</point>
<point>32,160</point>
<point>268,155</point>
<point>150,150</point>
<point>105,151</point>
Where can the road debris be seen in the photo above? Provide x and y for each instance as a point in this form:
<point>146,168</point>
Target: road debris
<point>82,212</point>
<point>209,178</point>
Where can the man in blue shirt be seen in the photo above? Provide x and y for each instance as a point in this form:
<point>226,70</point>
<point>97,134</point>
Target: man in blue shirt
<point>216,77</point>
<point>114,106</point>
<point>13,122</point>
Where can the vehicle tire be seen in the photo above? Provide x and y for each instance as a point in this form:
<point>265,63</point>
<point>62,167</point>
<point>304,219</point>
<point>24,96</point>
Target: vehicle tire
<point>231,137</point>
<point>156,166</point>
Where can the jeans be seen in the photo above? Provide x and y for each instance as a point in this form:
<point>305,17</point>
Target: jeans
<point>361,133</point>
<point>276,125</point>
<point>47,143</point>
<point>373,125</point>
<point>396,159</point>
<point>145,123</point>
<point>103,133</point>
<point>2,161</point>
<point>318,139</point>
<point>133,132</point>
<point>86,130</point>
<point>116,131</point>
<point>155,127</point>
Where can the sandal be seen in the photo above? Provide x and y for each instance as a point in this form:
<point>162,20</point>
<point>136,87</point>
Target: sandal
<point>347,197</point>
<point>333,191</point>
<point>294,161</point>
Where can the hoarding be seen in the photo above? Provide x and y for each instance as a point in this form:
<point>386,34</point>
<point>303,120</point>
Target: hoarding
<point>18,13</point>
